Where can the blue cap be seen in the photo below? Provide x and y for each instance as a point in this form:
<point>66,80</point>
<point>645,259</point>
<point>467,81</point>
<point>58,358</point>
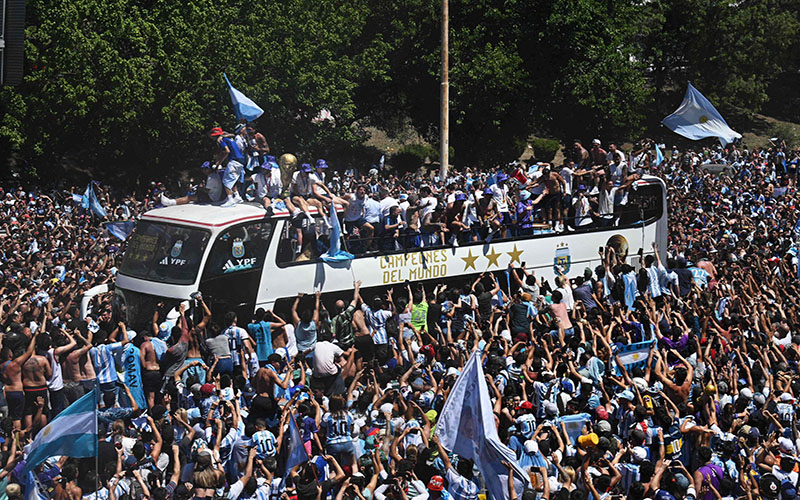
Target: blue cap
<point>271,158</point>
<point>524,195</point>
<point>488,192</point>
<point>501,177</point>
<point>460,197</point>
<point>322,163</point>
<point>206,164</point>
<point>305,167</point>
<point>626,394</point>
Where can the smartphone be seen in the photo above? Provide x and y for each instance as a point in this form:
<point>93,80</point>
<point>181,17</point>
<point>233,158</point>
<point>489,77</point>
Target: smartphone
<point>523,263</point>
<point>602,249</point>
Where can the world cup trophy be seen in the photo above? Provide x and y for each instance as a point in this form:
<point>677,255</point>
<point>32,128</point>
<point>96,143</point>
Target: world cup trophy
<point>288,164</point>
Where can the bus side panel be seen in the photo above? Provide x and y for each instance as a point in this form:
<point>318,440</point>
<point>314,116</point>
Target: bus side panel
<point>571,252</point>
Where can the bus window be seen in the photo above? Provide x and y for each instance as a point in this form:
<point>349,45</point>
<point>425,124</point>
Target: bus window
<point>164,253</point>
<point>239,248</point>
<point>644,204</point>
<point>303,240</point>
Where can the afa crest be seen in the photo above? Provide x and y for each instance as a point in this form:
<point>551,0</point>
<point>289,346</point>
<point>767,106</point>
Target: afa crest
<point>237,249</point>
<point>562,259</point>
<point>176,249</point>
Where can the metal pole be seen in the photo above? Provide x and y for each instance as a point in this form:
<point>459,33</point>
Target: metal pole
<point>444,156</point>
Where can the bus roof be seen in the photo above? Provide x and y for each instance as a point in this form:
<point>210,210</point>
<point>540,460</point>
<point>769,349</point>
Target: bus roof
<point>210,216</point>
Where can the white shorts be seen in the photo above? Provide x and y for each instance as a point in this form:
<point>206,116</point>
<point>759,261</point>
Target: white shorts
<point>233,170</point>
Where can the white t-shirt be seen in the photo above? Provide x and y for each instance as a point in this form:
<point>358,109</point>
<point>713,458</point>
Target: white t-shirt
<point>566,173</point>
<point>56,382</point>
<point>355,210</point>
<point>499,197</point>
<point>214,186</point>
<point>582,211</point>
<point>325,359</point>
<point>387,204</point>
<point>427,206</point>
<point>301,186</point>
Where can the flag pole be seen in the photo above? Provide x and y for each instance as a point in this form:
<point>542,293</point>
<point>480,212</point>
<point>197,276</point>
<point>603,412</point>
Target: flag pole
<point>444,154</point>
<point>96,451</point>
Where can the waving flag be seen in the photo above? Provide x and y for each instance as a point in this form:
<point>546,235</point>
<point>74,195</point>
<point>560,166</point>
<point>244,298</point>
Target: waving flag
<point>574,425</point>
<point>294,443</point>
<point>243,106</point>
<point>89,201</point>
<point>696,118</point>
<point>466,427</point>
<point>72,433</point>
<point>120,229</point>
<point>659,156</point>
<point>634,355</point>
<point>335,252</point>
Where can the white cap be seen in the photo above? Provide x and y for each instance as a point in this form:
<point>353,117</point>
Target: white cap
<point>531,446</point>
<point>595,141</point>
<point>786,445</point>
<point>639,454</point>
<point>387,407</point>
<point>746,393</point>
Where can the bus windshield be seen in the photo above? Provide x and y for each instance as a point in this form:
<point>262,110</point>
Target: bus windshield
<point>164,253</point>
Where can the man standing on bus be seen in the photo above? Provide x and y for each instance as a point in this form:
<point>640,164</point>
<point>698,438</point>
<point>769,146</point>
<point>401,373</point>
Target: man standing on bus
<point>233,158</point>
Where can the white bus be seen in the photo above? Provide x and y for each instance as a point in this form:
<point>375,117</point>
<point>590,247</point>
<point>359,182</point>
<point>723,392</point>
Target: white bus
<point>241,259</point>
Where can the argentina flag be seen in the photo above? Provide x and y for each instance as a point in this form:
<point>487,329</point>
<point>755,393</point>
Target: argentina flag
<point>633,355</point>
<point>243,106</point>
<point>72,433</point>
<point>335,252</point>
<point>696,118</point>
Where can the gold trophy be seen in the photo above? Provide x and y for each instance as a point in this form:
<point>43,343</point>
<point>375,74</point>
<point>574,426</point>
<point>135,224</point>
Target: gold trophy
<point>288,164</point>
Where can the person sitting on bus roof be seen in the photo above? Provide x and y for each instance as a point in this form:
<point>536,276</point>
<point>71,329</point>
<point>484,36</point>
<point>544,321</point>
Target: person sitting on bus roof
<point>301,191</point>
<point>268,182</point>
<point>212,192</point>
<point>354,214</point>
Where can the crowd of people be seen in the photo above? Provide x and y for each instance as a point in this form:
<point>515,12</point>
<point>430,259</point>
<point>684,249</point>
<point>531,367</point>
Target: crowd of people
<point>709,414</point>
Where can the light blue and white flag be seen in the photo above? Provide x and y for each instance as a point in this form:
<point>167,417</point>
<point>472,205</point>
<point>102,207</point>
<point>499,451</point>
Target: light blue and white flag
<point>382,163</point>
<point>335,252</point>
<point>32,489</point>
<point>466,427</point>
<point>76,198</point>
<point>574,425</point>
<point>72,433</point>
<point>659,156</point>
<point>633,355</point>
<point>120,229</point>
<point>696,118</point>
<point>243,106</point>
<point>296,453</point>
<point>89,201</point>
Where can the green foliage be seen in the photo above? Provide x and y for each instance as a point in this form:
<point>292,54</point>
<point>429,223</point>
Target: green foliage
<point>545,149</point>
<point>128,88</point>
<point>786,132</point>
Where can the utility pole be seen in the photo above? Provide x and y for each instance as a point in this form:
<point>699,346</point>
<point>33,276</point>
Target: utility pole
<point>444,156</point>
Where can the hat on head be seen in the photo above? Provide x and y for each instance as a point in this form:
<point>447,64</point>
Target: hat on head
<point>525,405</point>
<point>550,408</point>
<point>432,414</point>
<point>206,164</point>
<point>436,483</point>
<point>746,393</point>
<point>460,197</point>
<point>524,195</point>
<point>681,481</point>
<point>488,192</point>
<point>603,427</point>
<point>626,394</point>
<point>322,163</point>
<point>769,486</point>
<point>216,132</point>
<point>195,387</point>
<point>786,397</point>
<point>531,446</point>
<point>239,127</point>
<point>596,141</point>
<point>602,413</point>
<point>759,399</point>
<point>501,177</point>
<point>207,389</point>
<point>786,445</point>
<point>305,167</point>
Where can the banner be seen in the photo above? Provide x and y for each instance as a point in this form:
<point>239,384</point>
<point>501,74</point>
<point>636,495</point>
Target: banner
<point>121,229</point>
<point>131,363</point>
<point>633,355</point>
<point>335,252</point>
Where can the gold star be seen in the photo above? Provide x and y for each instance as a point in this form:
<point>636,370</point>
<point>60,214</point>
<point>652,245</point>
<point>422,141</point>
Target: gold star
<point>469,260</point>
<point>515,255</point>
<point>493,255</point>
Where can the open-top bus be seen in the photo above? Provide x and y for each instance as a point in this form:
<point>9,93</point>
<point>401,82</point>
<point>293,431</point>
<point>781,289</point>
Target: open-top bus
<point>241,258</point>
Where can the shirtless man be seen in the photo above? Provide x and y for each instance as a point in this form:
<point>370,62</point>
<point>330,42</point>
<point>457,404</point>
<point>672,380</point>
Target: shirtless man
<point>36,371</point>
<point>72,368</point>
<point>151,370</point>
<point>194,345</point>
<point>11,371</point>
